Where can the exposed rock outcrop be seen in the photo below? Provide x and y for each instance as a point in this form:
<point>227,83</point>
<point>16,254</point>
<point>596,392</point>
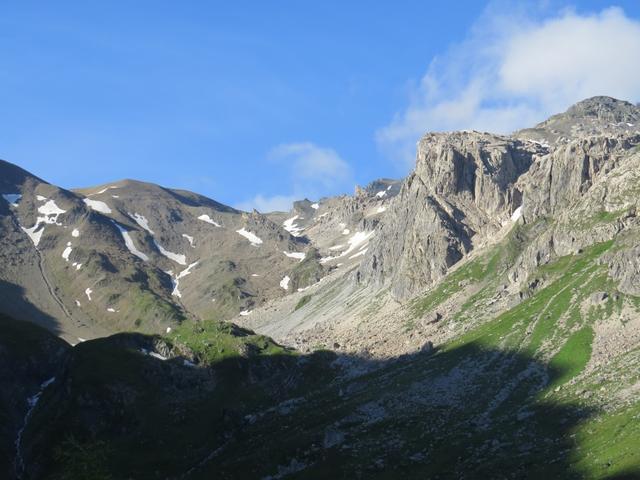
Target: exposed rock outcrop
<point>462,191</point>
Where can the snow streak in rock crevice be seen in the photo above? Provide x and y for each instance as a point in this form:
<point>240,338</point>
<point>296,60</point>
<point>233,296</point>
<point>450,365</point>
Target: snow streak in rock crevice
<point>252,237</point>
<point>31,403</point>
<point>290,226</point>
<point>142,221</point>
<point>176,257</point>
<point>128,241</point>
<point>175,279</point>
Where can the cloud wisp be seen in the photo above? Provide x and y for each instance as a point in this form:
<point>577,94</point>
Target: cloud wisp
<point>514,71</point>
<point>313,170</point>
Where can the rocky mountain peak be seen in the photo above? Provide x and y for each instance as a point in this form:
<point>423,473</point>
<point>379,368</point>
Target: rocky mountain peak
<point>604,108</point>
<point>463,164</point>
<point>593,116</point>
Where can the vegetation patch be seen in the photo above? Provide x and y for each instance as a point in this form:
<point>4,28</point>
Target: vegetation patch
<point>302,302</point>
<point>572,357</point>
<point>213,341</point>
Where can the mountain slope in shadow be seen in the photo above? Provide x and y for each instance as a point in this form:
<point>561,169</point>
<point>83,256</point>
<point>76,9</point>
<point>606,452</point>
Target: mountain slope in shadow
<point>121,409</point>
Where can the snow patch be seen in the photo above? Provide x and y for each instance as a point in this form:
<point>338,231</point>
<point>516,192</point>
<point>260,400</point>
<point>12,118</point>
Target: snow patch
<point>88,293</point>
<point>381,194</point>
<point>67,252</point>
<point>299,255</point>
<point>358,239</point>
<point>337,247</point>
<point>78,304</point>
<point>208,219</point>
<point>381,209</point>
<point>75,233</point>
<point>291,227</point>
<point>324,260</point>
<point>104,190</point>
<point>189,239</point>
<point>153,354</point>
<point>50,212</point>
<point>537,142</point>
<point>128,241</point>
<point>112,310</point>
<point>34,235</point>
<point>97,205</point>
<point>253,238</point>
<point>176,257</point>
<point>346,231</point>
<point>142,221</point>
<point>176,279</point>
<point>315,206</point>
<point>517,213</point>
<point>244,313</point>
<point>284,283</point>
<point>359,254</point>
<point>40,198</point>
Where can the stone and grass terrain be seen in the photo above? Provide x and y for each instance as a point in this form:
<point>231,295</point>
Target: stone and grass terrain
<point>479,319</point>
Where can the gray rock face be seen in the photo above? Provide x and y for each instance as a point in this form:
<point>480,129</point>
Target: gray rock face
<point>624,267</point>
<point>467,185</point>
<point>557,180</point>
<point>463,190</point>
<point>381,188</point>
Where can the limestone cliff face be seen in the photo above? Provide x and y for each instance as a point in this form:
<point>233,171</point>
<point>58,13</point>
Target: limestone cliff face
<point>463,190</point>
<point>585,192</point>
<point>467,186</point>
<point>564,176</point>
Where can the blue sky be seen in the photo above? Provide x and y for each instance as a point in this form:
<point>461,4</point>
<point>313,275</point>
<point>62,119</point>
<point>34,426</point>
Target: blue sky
<point>257,103</point>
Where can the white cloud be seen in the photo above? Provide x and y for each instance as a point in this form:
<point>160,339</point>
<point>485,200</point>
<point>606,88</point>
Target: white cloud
<point>312,164</point>
<point>277,203</point>
<point>514,71</point>
<point>314,171</point>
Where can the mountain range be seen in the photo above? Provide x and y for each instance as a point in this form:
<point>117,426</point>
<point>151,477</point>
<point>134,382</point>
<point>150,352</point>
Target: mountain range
<point>479,318</point>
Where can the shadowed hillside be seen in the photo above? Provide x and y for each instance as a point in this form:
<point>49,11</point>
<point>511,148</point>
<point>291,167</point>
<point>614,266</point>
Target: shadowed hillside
<point>262,412</point>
